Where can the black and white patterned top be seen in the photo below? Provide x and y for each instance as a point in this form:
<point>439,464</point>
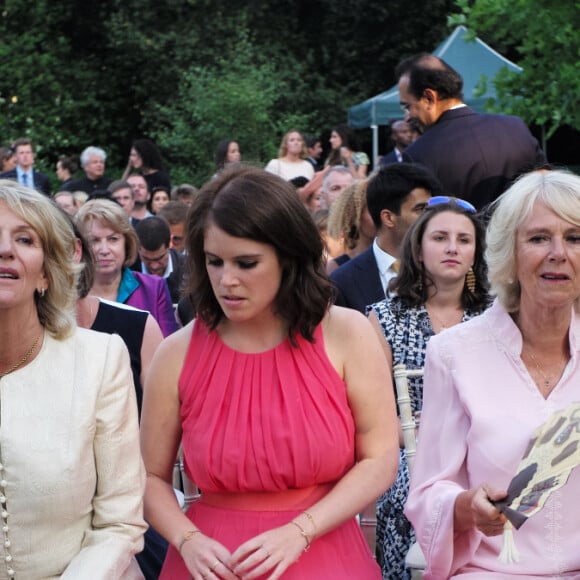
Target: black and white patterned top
<point>408,330</point>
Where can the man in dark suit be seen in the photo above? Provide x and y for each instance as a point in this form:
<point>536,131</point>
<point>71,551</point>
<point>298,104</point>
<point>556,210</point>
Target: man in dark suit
<point>396,196</point>
<point>475,156</point>
<point>155,256</point>
<point>401,137</point>
<point>24,173</point>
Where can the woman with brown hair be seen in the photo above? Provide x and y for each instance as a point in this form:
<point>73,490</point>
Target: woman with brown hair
<point>282,402</point>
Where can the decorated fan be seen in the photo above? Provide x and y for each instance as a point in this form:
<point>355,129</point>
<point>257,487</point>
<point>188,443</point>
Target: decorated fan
<point>552,453</point>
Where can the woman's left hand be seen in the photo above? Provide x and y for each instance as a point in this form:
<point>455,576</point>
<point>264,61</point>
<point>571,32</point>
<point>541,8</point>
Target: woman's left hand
<point>273,551</point>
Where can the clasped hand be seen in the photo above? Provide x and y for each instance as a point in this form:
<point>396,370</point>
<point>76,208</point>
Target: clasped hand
<point>271,552</point>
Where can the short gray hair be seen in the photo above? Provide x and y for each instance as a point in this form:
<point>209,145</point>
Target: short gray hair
<point>89,152</point>
<point>334,169</point>
<point>557,190</point>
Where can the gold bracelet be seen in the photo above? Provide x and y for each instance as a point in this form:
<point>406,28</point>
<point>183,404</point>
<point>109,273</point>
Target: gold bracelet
<point>303,534</point>
<point>186,537</point>
<point>311,520</point>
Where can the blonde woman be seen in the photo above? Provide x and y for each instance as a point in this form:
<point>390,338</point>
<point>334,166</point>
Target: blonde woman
<point>291,161</point>
<point>350,222</point>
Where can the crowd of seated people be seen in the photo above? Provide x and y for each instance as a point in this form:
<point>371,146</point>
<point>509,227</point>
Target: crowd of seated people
<point>261,318</point>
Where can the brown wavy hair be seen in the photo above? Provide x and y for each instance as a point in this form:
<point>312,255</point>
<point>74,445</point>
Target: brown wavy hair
<point>246,202</point>
<point>412,283</point>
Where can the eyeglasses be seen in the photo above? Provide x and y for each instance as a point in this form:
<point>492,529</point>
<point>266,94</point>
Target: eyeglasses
<point>439,199</point>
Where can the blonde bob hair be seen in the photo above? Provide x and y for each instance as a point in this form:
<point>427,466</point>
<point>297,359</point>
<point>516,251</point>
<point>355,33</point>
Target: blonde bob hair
<point>557,190</point>
<point>56,309</point>
<point>110,214</point>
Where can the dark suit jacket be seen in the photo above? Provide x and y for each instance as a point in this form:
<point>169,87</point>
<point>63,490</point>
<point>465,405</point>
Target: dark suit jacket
<point>175,279</point>
<point>389,158</point>
<point>41,181</point>
<point>358,282</point>
<point>474,156</point>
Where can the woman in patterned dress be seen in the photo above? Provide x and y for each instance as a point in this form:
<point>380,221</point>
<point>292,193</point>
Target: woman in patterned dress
<point>441,282</point>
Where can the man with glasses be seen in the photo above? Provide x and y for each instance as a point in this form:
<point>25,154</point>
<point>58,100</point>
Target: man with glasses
<point>474,156</point>
<point>156,257</point>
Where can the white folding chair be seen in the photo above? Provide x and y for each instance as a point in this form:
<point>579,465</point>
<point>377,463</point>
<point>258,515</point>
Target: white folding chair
<point>185,490</point>
<point>368,524</point>
<point>415,559</point>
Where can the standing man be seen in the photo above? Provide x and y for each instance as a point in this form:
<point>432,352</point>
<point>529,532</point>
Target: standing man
<point>401,137</point>
<point>141,197</point>
<point>24,172</point>
<point>93,164</point>
<point>474,156</point>
<point>396,196</point>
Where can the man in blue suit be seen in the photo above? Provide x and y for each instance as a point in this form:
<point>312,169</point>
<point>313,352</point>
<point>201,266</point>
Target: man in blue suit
<point>474,156</point>
<point>24,171</point>
<point>396,196</point>
<point>401,137</point>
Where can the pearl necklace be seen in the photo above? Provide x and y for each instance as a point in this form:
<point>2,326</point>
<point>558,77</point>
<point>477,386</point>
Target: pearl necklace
<point>23,359</point>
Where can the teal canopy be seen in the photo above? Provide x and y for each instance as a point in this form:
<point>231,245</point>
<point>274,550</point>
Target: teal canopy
<point>471,58</point>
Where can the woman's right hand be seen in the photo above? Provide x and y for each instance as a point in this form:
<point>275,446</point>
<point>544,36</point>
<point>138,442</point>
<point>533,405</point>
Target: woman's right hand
<point>207,559</point>
<point>473,509</point>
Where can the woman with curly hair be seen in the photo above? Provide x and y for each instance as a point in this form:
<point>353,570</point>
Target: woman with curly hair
<point>351,222</point>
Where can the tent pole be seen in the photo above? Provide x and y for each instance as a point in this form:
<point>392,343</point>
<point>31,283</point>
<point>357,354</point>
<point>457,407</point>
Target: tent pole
<point>375,130</point>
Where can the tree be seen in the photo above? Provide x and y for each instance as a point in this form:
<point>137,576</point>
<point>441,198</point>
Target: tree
<point>103,72</point>
<point>545,37</point>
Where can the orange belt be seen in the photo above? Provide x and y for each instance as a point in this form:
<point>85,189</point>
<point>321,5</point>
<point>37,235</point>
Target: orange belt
<point>269,501</point>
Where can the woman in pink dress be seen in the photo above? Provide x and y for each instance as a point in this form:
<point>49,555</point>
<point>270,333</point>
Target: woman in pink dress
<point>283,403</point>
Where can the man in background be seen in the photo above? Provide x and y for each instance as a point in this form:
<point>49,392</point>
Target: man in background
<point>24,172</point>
<point>401,137</point>
<point>175,212</point>
<point>397,194</point>
<point>474,156</point>
<point>156,257</point>
<point>141,197</point>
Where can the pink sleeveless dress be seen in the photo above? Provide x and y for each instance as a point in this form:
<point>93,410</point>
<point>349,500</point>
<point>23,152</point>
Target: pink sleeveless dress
<point>264,437</point>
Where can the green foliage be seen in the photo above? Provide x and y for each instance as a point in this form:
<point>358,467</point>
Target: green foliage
<point>544,36</point>
<point>191,72</point>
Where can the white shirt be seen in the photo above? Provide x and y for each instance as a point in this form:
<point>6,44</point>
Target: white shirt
<point>384,264</point>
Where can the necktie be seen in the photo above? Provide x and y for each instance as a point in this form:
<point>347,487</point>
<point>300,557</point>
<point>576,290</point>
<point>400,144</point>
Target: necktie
<point>24,179</point>
<point>396,265</point>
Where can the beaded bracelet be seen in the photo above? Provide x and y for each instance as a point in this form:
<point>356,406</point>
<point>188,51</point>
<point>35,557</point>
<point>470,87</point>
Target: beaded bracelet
<point>186,537</point>
<point>303,534</point>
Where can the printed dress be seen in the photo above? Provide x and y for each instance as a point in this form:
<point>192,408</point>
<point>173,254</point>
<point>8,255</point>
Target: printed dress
<point>407,330</point>
<point>265,436</point>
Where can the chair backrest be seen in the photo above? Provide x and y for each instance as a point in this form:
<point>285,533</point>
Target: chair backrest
<point>182,482</point>
<point>402,374</point>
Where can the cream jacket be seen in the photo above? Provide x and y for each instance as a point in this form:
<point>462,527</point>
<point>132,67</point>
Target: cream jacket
<point>71,475</point>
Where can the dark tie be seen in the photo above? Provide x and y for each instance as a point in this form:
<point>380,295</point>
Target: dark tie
<point>24,179</point>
